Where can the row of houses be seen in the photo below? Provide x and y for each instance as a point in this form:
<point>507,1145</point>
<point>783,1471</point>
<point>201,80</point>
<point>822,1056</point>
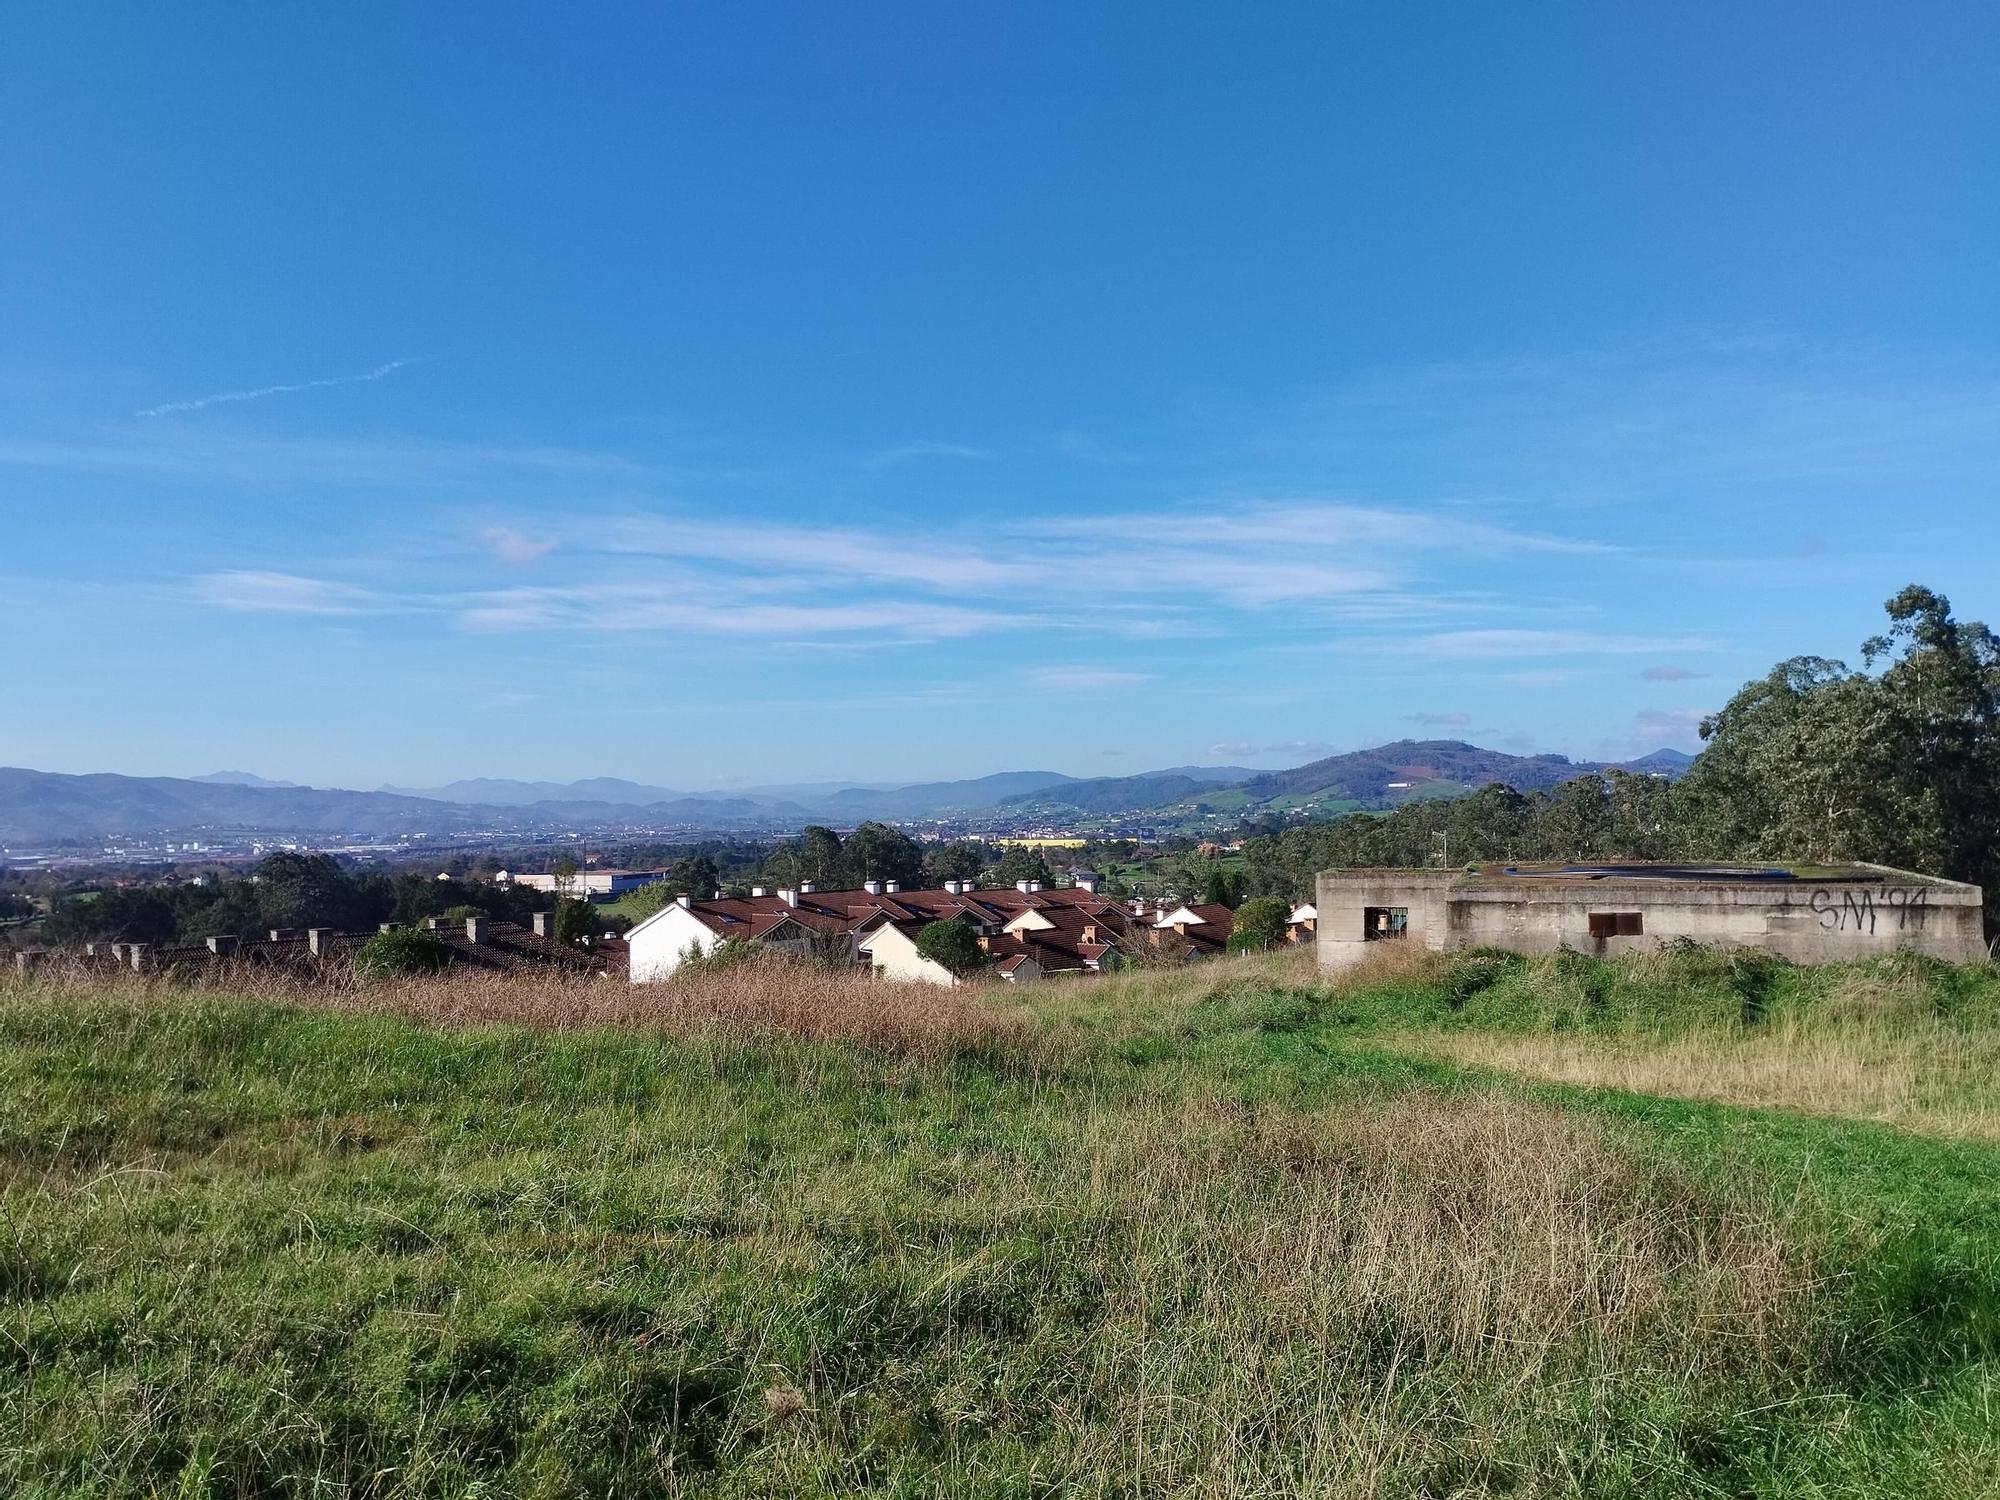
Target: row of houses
<point>1028,930</point>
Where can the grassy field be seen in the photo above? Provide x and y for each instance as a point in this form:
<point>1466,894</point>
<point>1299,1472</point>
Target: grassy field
<point>1680,1225</point>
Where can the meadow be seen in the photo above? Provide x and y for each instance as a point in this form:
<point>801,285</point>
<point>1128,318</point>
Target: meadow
<point>1684,1224</point>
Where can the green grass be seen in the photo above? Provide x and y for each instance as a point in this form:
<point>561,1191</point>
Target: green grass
<point>1217,1232</point>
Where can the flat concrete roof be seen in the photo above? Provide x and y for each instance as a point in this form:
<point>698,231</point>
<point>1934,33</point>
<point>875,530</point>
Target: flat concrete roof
<point>1658,872</point>
<point>1705,874</point>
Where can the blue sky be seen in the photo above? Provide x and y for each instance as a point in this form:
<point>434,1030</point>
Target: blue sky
<point>714,394</point>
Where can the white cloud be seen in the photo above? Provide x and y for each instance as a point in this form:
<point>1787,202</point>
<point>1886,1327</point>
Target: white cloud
<point>516,548</point>
<point>1079,679</point>
<point>1441,720</point>
<point>281,594</point>
<point>903,453</point>
<point>380,372</point>
<point>620,609</point>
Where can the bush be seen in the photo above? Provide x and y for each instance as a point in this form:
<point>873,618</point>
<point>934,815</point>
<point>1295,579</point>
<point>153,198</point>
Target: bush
<point>953,945</point>
<point>1260,924</point>
<point>728,954</point>
<point>407,950</point>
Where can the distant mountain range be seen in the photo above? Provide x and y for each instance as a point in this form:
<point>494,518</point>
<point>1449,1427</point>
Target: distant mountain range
<point>44,807</point>
<point>1381,776</point>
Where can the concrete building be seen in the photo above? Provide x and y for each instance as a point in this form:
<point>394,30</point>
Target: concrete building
<point>1808,914</point>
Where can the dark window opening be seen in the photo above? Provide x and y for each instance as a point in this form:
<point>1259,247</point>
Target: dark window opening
<point>1380,922</point>
<point>1604,924</point>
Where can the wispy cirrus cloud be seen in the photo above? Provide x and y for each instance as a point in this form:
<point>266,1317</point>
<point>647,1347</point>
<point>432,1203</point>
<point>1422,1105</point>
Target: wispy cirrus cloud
<point>902,453</point>
<point>514,547</point>
<point>1440,720</point>
<point>1181,575</point>
<point>250,591</point>
<point>621,609</point>
<point>1670,673</point>
<point>1084,679</point>
<point>258,393</point>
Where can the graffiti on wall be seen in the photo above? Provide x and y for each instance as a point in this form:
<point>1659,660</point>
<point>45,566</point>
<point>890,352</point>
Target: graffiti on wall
<point>1858,911</point>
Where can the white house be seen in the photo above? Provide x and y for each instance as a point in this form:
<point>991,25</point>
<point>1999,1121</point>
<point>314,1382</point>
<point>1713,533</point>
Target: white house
<point>893,953</point>
<point>659,943</point>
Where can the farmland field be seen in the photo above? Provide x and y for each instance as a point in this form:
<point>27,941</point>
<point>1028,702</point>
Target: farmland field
<point>1685,1224</point>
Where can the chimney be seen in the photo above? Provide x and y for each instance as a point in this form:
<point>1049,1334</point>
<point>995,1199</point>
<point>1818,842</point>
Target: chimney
<point>319,941</point>
<point>475,929</point>
<point>684,901</point>
<point>283,934</point>
<point>117,951</point>
<point>951,887</point>
<point>544,924</point>
<point>221,945</point>
<point>805,887</point>
<point>872,887</point>
<point>892,886</point>
<point>1034,885</point>
<point>135,953</point>
<point>388,926</point>
<point>760,890</point>
<point>1024,886</point>
<point>789,896</point>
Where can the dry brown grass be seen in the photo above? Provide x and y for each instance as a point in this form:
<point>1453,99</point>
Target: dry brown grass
<point>1920,1075</point>
<point>759,999</point>
<point>1299,1283</point>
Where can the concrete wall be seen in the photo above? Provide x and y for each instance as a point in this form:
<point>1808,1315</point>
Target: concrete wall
<point>1805,921</point>
<point>1343,899</point>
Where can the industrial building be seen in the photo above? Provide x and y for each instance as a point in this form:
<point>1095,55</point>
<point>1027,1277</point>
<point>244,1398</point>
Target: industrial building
<point>1808,914</point>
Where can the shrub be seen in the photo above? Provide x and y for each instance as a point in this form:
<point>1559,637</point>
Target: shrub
<point>953,945</point>
<point>728,954</point>
<point>407,950</point>
<point>1260,924</point>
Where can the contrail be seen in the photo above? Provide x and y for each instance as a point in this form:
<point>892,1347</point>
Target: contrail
<point>275,390</point>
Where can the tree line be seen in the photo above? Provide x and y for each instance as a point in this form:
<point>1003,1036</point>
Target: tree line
<point>286,889</point>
